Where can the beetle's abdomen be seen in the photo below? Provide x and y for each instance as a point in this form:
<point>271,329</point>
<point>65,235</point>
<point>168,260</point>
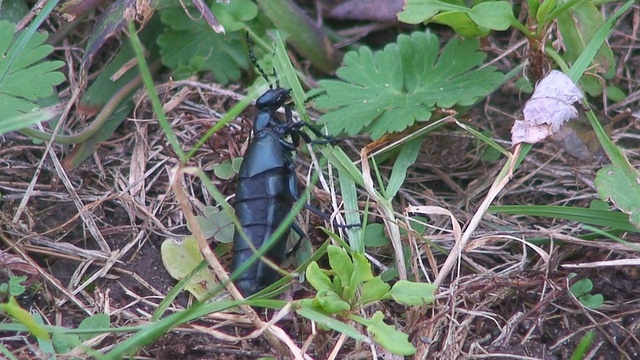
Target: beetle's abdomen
<point>263,201</point>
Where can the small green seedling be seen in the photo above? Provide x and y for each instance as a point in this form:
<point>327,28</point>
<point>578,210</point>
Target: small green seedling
<point>582,290</point>
<point>14,287</point>
<point>350,285</point>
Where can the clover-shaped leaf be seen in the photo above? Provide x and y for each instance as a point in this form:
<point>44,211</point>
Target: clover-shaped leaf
<point>389,90</point>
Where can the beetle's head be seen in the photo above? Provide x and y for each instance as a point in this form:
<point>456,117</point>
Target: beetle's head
<point>273,99</point>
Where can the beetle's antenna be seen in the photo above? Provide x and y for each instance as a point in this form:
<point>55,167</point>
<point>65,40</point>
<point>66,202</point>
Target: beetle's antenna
<point>254,61</point>
<point>273,56</point>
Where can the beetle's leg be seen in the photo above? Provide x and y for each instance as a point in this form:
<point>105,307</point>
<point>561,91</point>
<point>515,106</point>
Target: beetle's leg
<point>326,138</point>
<point>295,128</point>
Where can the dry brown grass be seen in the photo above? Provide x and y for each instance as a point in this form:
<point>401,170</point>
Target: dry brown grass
<point>91,236</point>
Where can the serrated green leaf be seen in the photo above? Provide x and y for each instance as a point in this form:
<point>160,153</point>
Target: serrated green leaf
<point>413,293</point>
<point>192,46</point>
<point>387,336</point>
<point>389,90</point>
<point>27,78</point>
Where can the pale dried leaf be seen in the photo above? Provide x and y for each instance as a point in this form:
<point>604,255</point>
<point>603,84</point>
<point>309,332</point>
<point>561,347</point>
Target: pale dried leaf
<point>550,107</point>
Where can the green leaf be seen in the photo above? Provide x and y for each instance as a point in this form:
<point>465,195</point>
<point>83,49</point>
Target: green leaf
<point>312,313</point>
<point>620,183</point>
<point>361,272</point>
<point>375,235</point>
<point>63,342</point>
<point>545,8</point>
<point>317,278</point>
<point>580,351</point>
<point>97,321</point>
<point>190,46</point>
<point>24,120</point>
<point>330,302</point>
<point>468,22</point>
<point>13,11</point>
<point>389,90</point>
<point>15,285</point>
<point>373,290</point>
<point>24,76</point>
<point>592,301</point>
<point>615,94</point>
<point>235,164</point>
<point>413,293</point>
<point>361,269</point>
<point>578,26</point>
<point>111,22</point>
<point>180,258</point>
<point>461,23</point>
<point>340,263</point>
<point>495,15</point>
<point>217,224</point>
<point>224,170</point>
<point>581,287</point>
<point>387,336</point>
<point>406,158</point>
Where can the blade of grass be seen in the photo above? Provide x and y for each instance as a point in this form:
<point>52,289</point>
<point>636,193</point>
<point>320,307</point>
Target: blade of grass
<point>151,91</point>
<point>615,220</point>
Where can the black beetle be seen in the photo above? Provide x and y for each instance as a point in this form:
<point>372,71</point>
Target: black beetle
<point>266,189</point>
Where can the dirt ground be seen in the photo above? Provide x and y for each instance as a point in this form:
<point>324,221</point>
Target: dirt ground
<point>94,239</point>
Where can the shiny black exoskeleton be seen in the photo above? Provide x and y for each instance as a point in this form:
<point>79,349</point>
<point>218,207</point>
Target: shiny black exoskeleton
<point>267,188</point>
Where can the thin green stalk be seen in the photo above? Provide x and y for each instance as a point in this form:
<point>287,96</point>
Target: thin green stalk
<point>102,117</point>
<point>151,91</point>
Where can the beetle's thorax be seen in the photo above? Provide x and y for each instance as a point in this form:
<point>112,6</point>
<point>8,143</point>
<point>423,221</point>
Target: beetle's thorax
<point>273,99</point>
